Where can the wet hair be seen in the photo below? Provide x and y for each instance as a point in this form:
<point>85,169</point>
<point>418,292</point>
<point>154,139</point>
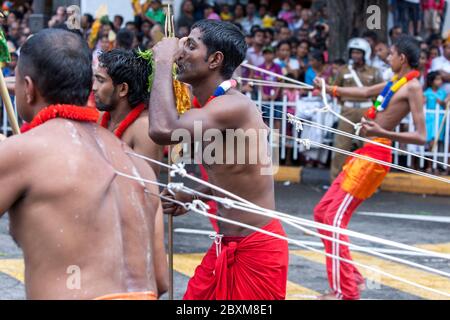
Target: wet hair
<point>431,77</point>
<point>226,38</point>
<point>60,64</point>
<point>124,39</point>
<point>409,46</point>
<point>126,66</point>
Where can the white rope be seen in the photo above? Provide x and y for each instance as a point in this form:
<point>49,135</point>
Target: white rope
<point>201,208</point>
<point>276,75</point>
<point>357,127</point>
<point>327,108</point>
<point>246,204</point>
<point>384,163</point>
<point>299,123</point>
<point>267,83</point>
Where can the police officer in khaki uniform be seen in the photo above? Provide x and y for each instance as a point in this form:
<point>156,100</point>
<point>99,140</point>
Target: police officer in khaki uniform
<point>356,74</point>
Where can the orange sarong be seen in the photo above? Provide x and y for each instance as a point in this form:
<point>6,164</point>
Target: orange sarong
<point>362,177</point>
<point>130,296</point>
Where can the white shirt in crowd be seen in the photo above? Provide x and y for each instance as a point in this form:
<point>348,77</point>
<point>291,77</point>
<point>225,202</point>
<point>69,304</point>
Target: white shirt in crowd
<point>441,64</point>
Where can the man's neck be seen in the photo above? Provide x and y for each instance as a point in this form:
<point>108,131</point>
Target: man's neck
<point>404,71</point>
<point>119,113</point>
<point>205,89</point>
<point>38,106</point>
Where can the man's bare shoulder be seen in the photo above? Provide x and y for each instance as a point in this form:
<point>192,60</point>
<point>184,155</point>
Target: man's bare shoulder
<point>414,87</point>
<point>236,100</point>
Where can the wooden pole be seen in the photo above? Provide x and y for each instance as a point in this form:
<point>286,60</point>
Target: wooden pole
<point>168,33</point>
<point>8,104</point>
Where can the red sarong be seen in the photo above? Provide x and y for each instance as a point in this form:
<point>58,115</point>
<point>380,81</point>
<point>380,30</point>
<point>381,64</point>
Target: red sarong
<point>248,268</point>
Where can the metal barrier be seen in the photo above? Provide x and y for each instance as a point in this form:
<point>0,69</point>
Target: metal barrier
<point>306,108</point>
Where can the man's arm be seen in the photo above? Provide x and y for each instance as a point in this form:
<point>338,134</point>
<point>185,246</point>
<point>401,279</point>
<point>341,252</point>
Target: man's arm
<point>224,112</point>
<point>13,173</point>
<point>353,92</point>
<point>419,136</point>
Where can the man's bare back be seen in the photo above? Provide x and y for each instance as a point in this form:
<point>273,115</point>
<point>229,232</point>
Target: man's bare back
<point>70,209</point>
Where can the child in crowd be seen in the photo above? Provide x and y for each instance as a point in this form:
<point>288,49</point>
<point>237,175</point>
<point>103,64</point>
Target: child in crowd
<point>435,101</point>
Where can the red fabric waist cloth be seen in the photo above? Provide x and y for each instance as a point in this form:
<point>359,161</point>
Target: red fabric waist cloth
<point>243,268</point>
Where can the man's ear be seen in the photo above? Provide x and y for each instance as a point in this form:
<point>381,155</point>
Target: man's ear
<point>30,90</point>
<point>216,60</point>
<point>123,89</point>
<point>403,58</point>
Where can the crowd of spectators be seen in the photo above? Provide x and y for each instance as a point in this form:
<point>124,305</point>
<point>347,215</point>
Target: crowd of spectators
<point>293,41</point>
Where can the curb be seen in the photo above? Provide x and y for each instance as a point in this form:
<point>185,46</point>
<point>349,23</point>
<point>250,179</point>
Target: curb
<point>408,183</point>
<point>394,182</point>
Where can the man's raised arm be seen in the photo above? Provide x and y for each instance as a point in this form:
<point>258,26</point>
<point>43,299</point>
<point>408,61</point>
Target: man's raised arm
<point>352,92</point>
<point>225,112</point>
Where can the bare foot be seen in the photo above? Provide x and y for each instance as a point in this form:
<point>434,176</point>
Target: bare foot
<point>2,137</point>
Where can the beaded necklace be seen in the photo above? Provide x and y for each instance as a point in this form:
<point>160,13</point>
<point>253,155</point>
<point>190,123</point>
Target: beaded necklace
<point>388,92</point>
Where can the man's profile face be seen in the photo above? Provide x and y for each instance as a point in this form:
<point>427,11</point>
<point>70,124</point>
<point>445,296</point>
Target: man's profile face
<point>104,90</point>
<point>193,62</point>
<point>395,60</point>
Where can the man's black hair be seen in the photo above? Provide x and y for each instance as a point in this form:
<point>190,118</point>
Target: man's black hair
<point>226,38</point>
<point>126,66</point>
<point>124,39</point>
<point>409,46</point>
<point>60,64</point>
